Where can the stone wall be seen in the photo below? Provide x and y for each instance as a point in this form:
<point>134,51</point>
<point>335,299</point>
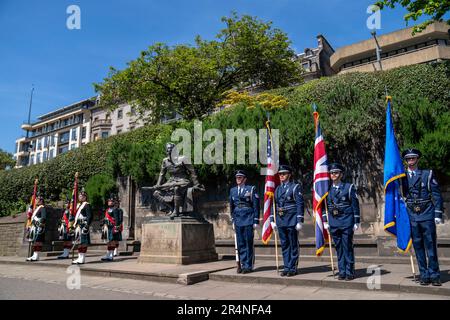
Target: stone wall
<point>11,234</point>
<point>213,205</point>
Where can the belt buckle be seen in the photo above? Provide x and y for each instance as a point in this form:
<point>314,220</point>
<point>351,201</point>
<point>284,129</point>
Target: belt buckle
<point>335,212</point>
<point>417,209</point>
<point>280,212</point>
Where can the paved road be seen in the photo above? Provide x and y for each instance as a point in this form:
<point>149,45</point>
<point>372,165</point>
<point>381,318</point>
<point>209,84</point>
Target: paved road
<point>39,282</point>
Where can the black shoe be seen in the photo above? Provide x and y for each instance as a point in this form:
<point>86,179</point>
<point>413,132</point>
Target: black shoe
<point>245,271</point>
<point>424,282</point>
<point>283,273</point>
<point>238,270</point>
<point>341,277</point>
<point>291,273</point>
<point>436,282</point>
<point>350,278</point>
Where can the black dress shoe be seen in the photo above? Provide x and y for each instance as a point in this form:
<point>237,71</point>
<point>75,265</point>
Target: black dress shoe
<point>291,273</point>
<point>238,270</point>
<point>283,273</point>
<point>436,282</point>
<point>341,277</point>
<point>424,282</point>
<point>350,278</point>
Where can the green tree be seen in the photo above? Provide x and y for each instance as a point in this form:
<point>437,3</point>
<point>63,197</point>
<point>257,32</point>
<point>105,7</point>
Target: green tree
<point>6,160</point>
<point>191,80</point>
<point>99,187</point>
<point>436,9</point>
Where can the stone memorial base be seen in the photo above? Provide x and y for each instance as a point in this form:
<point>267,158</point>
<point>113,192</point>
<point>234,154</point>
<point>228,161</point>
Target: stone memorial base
<point>184,240</point>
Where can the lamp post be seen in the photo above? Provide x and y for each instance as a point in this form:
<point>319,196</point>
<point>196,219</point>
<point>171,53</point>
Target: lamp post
<point>377,49</point>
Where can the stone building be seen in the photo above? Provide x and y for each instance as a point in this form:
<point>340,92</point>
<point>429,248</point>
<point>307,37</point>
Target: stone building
<point>316,61</point>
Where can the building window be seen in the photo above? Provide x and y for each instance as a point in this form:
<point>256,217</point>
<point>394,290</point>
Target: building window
<point>83,133</point>
<point>119,131</point>
<point>44,156</point>
<point>73,146</point>
<point>64,137</point>
<point>39,144</point>
<point>38,157</point>
<point>119,114</point>
<point>32,160</point>
<point>105,135</point>
<point>45,142</point>
<point>74,134</point>
<point>63,149</point>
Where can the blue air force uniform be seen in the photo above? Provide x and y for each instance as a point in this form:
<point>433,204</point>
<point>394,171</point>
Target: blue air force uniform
<point>343,215</point>
<point>289,207</point>
<point>425,208</point>
<point>244,207</point>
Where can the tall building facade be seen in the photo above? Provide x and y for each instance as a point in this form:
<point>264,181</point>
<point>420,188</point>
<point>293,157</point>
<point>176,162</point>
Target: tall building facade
<point>316,61</point>
<point>55,133</point>
<point>71,127</point>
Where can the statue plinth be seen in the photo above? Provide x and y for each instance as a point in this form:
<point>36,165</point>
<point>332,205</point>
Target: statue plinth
<point>183,240</point>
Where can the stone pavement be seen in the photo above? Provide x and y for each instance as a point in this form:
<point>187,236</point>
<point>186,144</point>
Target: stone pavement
<point>47,282</point>
<point>314,277</point>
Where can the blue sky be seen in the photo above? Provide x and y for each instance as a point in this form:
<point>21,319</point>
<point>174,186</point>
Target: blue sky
<point>37,48</point>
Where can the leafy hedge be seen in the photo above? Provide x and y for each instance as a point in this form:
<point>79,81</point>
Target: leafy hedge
<point>352,113</point>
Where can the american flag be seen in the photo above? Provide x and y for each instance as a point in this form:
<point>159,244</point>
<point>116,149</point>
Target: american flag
<point>272,181</point>
<point>320,185</point>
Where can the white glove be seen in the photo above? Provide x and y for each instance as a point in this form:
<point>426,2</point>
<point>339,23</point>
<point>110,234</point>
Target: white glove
<point>274,226</point>
<point>255,226</point>
<point>298,226</point>
<point>356,227</point>
<point>326,226</point>
<point>233,226</point>
<point>437,220</point>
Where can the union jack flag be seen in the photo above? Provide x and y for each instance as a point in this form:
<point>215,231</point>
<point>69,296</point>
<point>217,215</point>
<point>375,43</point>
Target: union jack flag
<point>272,181</point>
<point>320,185</point>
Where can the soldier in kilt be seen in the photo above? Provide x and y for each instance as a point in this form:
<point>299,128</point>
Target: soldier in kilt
<point>66,232</point>
<point>37,231</point>
<point>82,224</point>
<point>116,250</point>
<point>112,228</point>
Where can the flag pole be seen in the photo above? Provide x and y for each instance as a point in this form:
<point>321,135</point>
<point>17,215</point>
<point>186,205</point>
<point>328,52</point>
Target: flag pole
<point>276,239</point>
<point>412,266</point>
<point>236,252</point>
<point>329,240</point>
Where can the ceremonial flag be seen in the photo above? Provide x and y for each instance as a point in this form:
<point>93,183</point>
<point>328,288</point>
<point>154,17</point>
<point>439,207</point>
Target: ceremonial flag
<point>272,181</point>
<point>32,206</point>
<point>73,210</point>
<point>320,184</point>
<point>396,219</point>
